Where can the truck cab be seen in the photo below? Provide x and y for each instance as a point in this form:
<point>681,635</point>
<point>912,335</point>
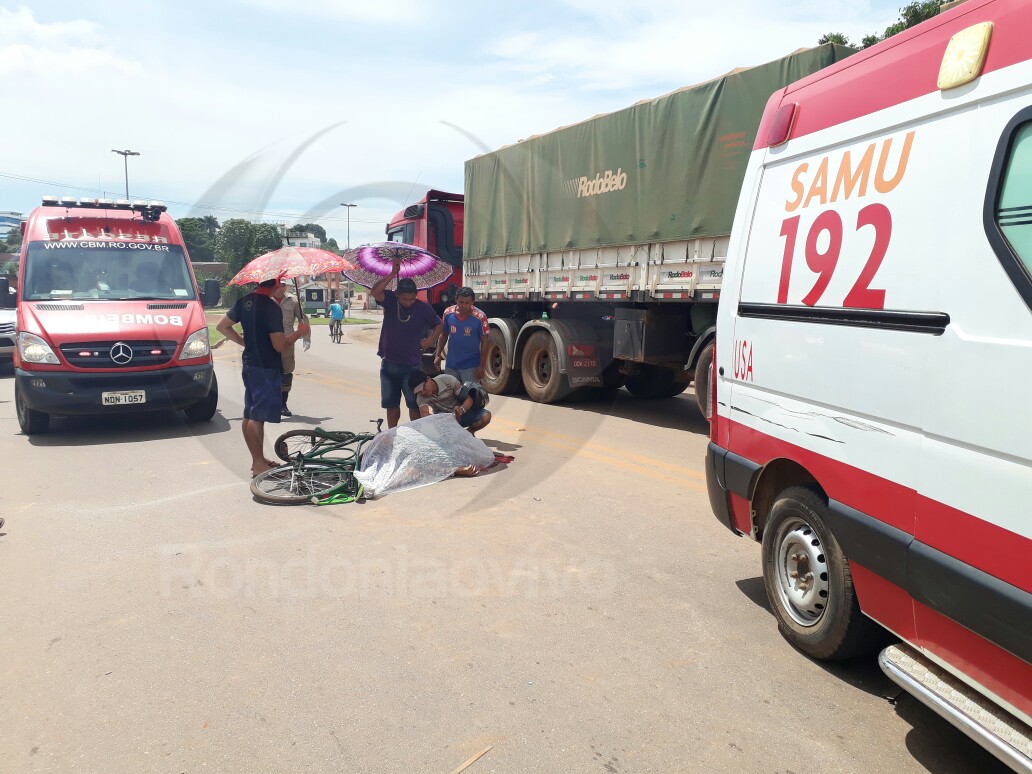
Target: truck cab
<point>435,224</point>
<point>109,315</point>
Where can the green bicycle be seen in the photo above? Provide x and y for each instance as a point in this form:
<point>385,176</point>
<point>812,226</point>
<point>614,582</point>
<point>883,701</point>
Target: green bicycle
<point>319,467</point>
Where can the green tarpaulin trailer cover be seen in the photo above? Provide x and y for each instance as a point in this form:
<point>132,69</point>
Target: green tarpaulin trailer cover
<point>667,169</point>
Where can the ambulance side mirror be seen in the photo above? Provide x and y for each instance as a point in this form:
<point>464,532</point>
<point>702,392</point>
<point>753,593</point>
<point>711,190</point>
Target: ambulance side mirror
<point>7,298</point>
<point>212,293</point>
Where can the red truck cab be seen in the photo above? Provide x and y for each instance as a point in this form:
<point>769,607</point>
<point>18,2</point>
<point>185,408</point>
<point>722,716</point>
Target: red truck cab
<point>435,224</point>
<point>110,318</point>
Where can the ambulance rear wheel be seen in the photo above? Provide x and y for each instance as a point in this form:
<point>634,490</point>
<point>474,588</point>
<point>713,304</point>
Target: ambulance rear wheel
<point>499,377</point>
<point>542,379</point>
<point>31,422</point>
<point>808,582</point>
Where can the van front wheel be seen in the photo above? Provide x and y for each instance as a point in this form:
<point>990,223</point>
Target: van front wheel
<point>31,422</point>
<point>808,583</point>
<point>204,409</point>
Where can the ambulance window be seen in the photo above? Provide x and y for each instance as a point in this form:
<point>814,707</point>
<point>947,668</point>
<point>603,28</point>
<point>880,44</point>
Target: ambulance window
<point>1014,208</point>
<point>1008,203</point>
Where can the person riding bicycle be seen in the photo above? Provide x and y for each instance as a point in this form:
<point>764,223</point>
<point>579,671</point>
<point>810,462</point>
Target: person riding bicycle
<point>336,315</point>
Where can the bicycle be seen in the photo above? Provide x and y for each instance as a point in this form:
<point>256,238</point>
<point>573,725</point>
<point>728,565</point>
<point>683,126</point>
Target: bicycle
<point>319,466</point>
<point>335,331</point>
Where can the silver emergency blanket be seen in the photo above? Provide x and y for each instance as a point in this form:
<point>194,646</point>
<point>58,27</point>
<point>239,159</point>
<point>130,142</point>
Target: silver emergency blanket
<point>417,454</point>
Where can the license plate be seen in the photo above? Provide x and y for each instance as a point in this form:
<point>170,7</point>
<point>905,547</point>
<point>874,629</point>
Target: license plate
<point>123,398</point>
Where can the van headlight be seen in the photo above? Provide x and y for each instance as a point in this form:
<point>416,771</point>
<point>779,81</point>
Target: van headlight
<point>33,349</point>
<point>196,345</point>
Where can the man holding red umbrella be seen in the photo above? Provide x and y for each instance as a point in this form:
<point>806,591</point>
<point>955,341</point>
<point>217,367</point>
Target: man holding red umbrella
<point>405,319</point>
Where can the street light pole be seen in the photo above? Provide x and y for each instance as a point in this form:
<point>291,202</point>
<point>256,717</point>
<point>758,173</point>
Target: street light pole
<point>125,154</point>
<point>347,208</point>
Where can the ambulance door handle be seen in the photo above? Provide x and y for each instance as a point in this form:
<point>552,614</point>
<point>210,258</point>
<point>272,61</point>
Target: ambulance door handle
<point>721,370</point>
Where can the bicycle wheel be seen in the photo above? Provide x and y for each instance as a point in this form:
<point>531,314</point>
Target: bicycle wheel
<point>295,485</point>
<point>304,442</point>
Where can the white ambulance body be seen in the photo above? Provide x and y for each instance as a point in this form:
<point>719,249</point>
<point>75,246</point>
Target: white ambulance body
<point>872,411</point>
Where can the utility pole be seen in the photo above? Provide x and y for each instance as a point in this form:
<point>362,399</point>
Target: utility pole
<point>347,208</point>
<point>125,154</point>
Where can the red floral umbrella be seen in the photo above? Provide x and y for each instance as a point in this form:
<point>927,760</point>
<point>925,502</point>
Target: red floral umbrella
<point>290,263</point>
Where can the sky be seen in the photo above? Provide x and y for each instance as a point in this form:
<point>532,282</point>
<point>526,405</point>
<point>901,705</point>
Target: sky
<point>279,110</point>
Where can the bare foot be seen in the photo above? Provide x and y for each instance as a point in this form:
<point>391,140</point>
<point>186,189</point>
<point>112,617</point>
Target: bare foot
<point>467,472</point>
<point>259,469</point>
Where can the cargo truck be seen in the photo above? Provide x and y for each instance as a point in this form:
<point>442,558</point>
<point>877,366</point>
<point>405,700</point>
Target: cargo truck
<point>597,250</point>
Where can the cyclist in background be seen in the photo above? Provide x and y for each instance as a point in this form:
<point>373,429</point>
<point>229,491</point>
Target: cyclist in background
<point>336,315</point>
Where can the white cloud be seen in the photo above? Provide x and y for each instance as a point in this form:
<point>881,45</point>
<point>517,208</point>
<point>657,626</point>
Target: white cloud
<point>29,47</point>
<point>404,12</point>
<point>618,46</point>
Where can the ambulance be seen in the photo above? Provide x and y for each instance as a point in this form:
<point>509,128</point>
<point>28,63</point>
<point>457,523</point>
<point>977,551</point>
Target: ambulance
<point>871,393</point>
<point>110,319</point>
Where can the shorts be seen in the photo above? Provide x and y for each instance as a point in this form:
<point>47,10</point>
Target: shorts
<point>394,382</point>
<point>470,418</point>
<point>263,398</point>
<point>463,374</point>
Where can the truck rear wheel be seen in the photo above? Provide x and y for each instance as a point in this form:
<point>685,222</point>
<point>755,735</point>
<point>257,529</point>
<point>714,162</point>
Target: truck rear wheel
<point>499,377</point>
<point>541,376</point>
<point>702,379</point>
<point>808,583</point>
<point>204,410</point>
<point>654,382</point>
<point>31,422</point>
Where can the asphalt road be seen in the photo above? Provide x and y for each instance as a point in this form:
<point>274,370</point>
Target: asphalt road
<point>578,610</point>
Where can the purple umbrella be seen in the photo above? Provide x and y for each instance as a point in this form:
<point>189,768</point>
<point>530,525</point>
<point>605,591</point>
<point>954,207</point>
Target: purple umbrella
<point>374,262</point>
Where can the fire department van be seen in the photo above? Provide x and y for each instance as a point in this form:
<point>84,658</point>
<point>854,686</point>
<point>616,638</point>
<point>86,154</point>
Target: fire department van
<point>870,405</point>
<point>110,319</point>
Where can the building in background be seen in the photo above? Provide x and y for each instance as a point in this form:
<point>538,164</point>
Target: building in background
<point>297,238</point>
<point>9,221</point>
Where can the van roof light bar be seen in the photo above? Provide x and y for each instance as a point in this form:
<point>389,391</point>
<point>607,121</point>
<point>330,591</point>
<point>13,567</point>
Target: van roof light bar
<point>50,201</point>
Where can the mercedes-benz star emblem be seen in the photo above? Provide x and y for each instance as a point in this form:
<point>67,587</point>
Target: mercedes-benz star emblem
<point>121,353</point>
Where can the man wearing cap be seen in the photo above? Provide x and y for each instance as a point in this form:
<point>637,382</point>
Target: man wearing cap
<point>263,341</point>
<point>446,394</point>
<point>405,320</point>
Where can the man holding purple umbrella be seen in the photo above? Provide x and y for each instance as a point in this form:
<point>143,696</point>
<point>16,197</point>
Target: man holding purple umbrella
<point>405,320</point>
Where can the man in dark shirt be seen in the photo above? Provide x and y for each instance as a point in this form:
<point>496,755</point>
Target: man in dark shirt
<point>405,319</point>
<point>263,341</point>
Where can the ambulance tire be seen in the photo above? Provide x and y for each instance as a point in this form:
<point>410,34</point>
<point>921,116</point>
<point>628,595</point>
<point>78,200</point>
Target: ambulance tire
<point>204,409</point>
<point>542,379</point>
<point>499,377</point>
<point>31,422</point>
<point>703,381</point>
<point>817,610</point>
<point>655,382</point>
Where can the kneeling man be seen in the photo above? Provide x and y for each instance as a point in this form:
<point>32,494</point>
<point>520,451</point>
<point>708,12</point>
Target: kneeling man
<point>446,394</point>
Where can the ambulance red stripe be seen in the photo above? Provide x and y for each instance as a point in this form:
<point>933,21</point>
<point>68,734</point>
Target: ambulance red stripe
<point>974,541</point>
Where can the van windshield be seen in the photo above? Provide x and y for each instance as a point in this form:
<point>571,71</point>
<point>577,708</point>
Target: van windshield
<point>108,272</point>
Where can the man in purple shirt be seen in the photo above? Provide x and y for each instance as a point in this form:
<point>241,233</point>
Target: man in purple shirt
<point>405,320</point>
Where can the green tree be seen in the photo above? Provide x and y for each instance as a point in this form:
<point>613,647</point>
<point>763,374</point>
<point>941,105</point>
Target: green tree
<point>266,239</point>
<point>233,244</point>
<point>332,246</point>
<point>910,15</point>
<point>834,37</point>
<point>312,228</point>
<point>211,225</point>
<point>199,243</point>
